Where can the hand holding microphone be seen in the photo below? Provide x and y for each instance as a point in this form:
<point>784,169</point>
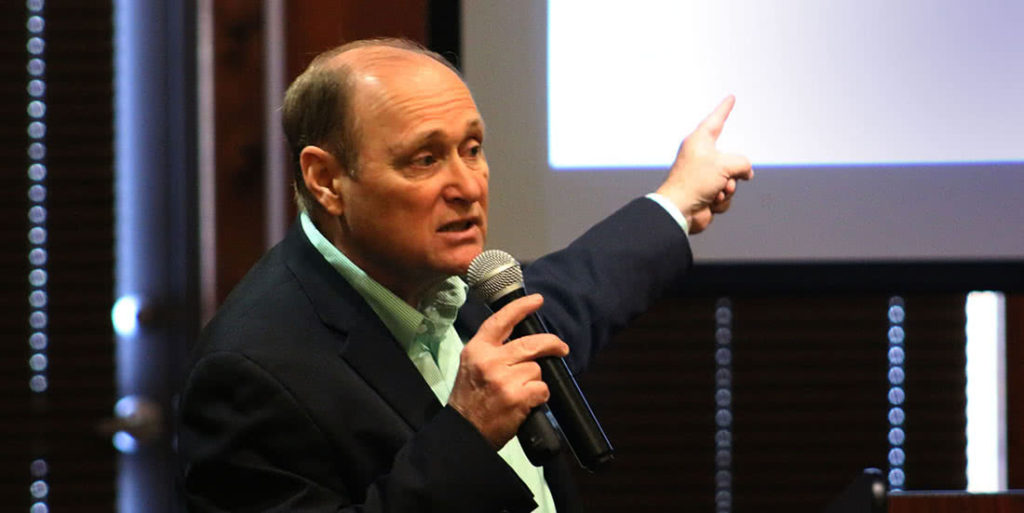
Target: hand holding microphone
<point>499,384</point>
<point>496,278</point>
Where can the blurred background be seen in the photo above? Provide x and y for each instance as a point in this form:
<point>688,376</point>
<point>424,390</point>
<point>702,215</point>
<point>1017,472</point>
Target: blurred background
<point>144,173</point>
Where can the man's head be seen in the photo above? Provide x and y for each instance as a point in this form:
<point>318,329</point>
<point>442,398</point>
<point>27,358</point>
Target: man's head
<point>317,108</point>
<point>397,178</point>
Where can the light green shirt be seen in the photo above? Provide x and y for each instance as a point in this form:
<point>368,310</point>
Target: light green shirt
<point>429,338</point>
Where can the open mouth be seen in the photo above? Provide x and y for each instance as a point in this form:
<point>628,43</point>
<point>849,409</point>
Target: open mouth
<point>457,226</point>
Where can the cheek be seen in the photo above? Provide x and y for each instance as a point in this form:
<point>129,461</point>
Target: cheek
<point>418,212</point>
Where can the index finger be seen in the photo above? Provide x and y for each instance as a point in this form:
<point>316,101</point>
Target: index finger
<point>716,120</point>
<point>498,326</point>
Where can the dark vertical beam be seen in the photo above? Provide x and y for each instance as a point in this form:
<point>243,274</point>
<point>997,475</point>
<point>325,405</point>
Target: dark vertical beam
<point>444,29</point>
<point>1015,390</point>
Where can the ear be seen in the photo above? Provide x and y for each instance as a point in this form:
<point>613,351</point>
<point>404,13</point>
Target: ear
<point>319,171</point>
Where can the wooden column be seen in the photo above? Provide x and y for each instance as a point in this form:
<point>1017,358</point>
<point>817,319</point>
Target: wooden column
<point>238,104</point>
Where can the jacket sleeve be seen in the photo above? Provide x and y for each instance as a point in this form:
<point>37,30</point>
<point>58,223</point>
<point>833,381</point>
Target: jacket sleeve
<point>609,275</point>
<point>250,446</point>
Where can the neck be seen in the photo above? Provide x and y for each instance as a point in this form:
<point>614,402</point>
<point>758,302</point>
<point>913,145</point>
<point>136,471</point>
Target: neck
<point>402,283</point>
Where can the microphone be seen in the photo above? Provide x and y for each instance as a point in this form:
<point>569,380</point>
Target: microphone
<point>497,279</point>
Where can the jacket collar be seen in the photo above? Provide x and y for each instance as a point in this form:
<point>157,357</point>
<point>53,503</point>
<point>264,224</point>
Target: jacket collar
<point>364,341</point>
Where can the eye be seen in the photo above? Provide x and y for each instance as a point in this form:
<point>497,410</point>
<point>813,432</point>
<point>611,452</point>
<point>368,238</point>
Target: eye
<point>473,150</point>
<point>424,160</point>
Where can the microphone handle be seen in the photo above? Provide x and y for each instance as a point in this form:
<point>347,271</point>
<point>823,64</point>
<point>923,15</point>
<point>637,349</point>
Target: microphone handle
<point>573,415</point>
<point>540,436</point>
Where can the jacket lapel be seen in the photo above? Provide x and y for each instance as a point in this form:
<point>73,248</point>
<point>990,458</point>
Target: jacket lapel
<point>365,342</point>
<point>381,363</point>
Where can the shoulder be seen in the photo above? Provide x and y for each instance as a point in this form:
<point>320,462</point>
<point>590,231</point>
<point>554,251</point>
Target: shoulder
<point>267,300</point>
<point>289,310</point>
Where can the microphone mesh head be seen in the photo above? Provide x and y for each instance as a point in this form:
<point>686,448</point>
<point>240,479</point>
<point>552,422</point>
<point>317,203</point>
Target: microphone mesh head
<point>492,272</point>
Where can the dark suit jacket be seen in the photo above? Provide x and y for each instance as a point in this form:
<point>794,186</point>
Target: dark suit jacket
<point>299,399</point>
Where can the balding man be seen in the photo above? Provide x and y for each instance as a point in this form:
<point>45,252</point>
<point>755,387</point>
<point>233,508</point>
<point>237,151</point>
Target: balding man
<point>348,370</point>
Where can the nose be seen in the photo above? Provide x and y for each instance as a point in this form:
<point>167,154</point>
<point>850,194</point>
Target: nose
<point>466,183</point>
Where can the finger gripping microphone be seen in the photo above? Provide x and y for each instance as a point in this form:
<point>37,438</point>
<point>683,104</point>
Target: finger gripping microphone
<point>496,278</point>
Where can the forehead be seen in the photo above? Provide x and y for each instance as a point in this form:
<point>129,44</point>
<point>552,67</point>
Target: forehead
<point>398,89</point>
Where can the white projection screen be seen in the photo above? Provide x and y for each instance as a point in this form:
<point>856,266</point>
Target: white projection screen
<point>880,131</point>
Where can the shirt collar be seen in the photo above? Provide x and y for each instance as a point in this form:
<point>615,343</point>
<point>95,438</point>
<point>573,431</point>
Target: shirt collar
<point>410,326</point>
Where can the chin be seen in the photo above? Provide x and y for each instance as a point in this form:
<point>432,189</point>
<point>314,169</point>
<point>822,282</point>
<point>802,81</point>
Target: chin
<point>460,263</point>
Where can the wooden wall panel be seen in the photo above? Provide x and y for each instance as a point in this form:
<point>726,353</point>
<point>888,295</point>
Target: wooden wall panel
<point>80,134</point>
<point>809,399</point>
<point>317,25</point>
<point>56,425</point>
<point>653,391</point>
<point>238,100</point>
<point>936,384</point>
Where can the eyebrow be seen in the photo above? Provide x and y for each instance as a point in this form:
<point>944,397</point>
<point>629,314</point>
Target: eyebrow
<point>422,139</point>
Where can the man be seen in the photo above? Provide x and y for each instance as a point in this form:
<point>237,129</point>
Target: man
<point>348,371</point>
